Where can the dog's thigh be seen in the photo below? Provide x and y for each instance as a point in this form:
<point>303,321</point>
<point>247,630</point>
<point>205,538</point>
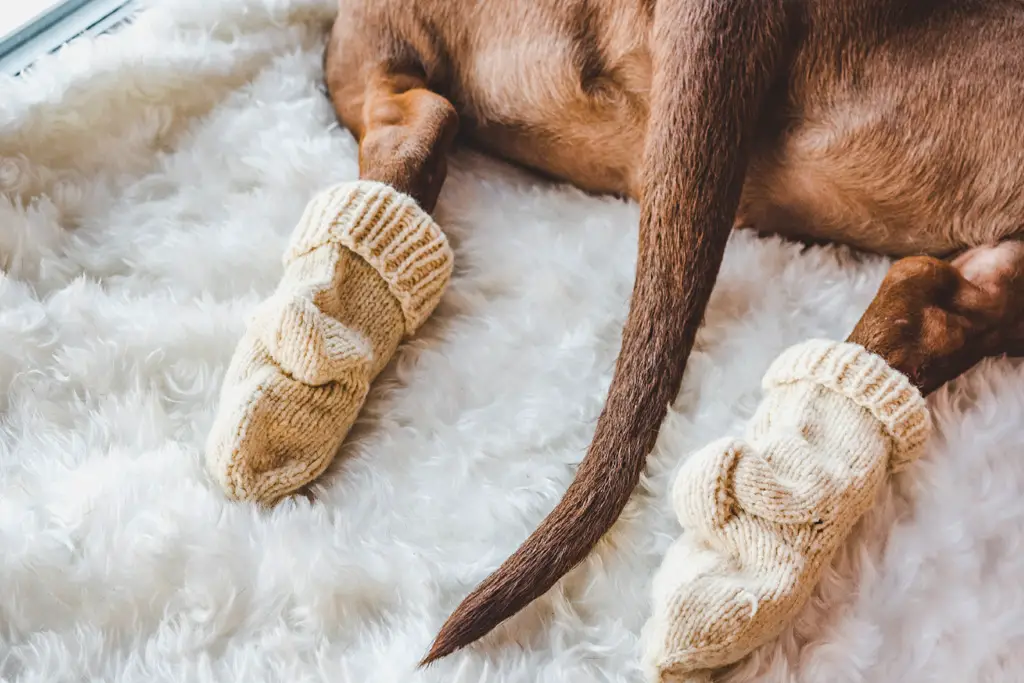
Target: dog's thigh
<point>921,152</point>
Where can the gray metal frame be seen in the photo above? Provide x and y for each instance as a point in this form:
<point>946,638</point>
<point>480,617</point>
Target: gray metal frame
<point>67,20</point>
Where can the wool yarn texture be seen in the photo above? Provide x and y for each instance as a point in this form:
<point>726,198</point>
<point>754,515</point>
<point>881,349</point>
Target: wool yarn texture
<point>364,268</point>
<point>763,515</point>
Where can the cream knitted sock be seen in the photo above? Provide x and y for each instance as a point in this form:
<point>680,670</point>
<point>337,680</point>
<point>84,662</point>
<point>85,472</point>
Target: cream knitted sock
<point>365,266</point>
<point>763,515</point>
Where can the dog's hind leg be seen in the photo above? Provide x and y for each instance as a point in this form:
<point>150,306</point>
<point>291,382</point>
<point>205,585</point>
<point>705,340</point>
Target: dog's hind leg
<point>365,266</point>
<point>933,320</point>
<point>404,129</point>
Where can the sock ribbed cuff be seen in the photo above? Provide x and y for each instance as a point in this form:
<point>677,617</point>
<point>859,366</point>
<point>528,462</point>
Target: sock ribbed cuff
<point>867,380</point>
<point>390,231</point>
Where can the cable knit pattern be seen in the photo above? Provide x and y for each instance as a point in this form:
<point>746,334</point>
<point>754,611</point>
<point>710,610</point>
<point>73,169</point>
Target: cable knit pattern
<point>365,267</point>
<point>764,514</point>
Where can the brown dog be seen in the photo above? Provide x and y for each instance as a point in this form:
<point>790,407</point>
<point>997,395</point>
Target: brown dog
<point>895,126</point>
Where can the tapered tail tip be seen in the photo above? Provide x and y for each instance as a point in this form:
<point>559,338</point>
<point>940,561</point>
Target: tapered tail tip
<point>442,647</point>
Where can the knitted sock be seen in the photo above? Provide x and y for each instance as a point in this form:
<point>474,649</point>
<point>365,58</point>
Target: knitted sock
<point>365,267</point>
<point>764,515</point>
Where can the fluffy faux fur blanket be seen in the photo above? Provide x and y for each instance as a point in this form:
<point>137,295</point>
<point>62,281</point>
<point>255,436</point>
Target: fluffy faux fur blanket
<point>149,181</point>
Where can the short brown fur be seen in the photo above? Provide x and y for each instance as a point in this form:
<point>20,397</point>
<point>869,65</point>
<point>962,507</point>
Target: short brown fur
<point>893,126</point>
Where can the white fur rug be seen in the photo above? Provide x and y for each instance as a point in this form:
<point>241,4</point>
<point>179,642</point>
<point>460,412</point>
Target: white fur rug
<point>149,181</point>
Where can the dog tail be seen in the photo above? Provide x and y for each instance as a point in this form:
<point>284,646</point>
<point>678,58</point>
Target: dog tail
<point>674,280</point>
<point>704,108</point>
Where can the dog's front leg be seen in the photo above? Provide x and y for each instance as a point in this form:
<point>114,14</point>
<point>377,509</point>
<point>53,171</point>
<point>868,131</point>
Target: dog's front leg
<point>714,63</point>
